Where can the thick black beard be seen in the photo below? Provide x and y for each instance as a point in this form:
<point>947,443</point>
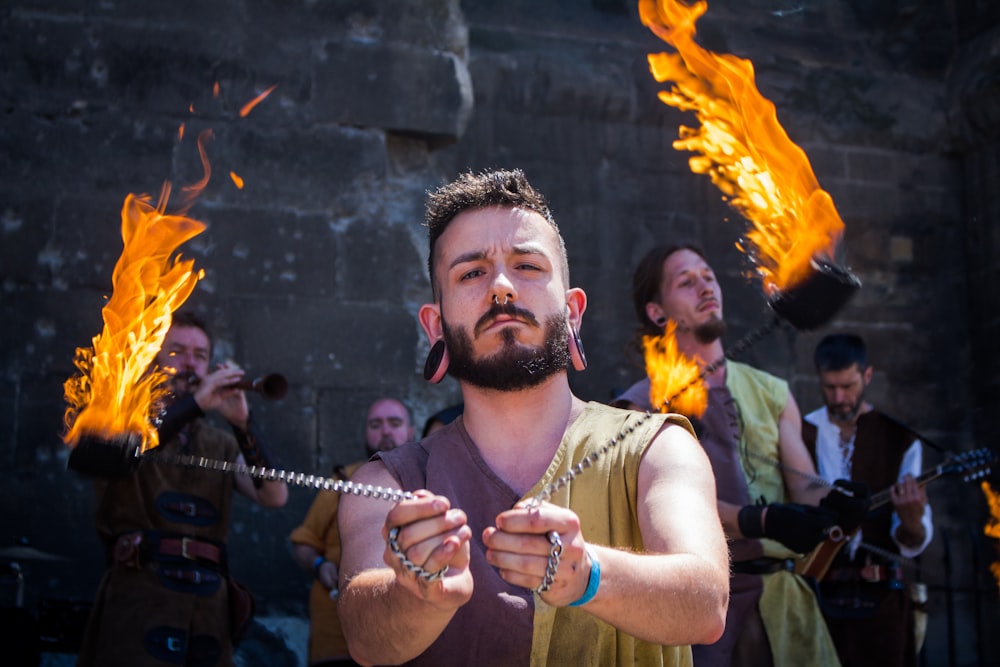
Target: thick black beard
<point>710,331</point>
<point>514,367</point>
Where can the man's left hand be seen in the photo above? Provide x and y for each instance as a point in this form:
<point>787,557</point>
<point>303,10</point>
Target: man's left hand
<point>519,548</point>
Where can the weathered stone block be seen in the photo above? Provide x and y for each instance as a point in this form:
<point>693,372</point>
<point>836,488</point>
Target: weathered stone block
<point>382,263</point>
<point>326,343</point>
<point>268,252</point>
<point>393,87</point>
<point>338,171</point>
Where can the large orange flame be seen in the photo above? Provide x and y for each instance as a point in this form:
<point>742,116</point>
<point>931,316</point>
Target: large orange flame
<point>675,382</point>
<point>992,528</point>
<point>114,393</point>
<point>743,148</point>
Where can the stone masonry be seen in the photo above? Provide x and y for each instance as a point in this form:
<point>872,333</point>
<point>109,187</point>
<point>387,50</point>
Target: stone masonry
<point>316,268</point>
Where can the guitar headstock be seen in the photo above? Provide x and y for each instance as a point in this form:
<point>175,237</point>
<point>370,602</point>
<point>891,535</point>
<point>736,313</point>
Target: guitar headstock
<point>971,465</point>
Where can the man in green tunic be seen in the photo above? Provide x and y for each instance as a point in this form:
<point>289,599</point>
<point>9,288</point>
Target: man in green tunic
<point>768,489</point>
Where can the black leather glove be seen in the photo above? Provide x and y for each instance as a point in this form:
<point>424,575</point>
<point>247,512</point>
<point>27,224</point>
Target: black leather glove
<point>798,527</point>
<point>849,501</point>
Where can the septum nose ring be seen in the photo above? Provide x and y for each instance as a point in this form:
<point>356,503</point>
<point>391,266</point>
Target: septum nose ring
<point>496,299</point>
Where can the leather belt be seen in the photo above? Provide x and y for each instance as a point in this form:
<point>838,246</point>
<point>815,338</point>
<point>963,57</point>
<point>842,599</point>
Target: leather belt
<point>190,548</point>
<point>872,574</point>
<point>135,548</point>
<point>764,566</point>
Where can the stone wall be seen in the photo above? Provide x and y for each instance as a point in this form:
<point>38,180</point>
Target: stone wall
<point>315,269</point>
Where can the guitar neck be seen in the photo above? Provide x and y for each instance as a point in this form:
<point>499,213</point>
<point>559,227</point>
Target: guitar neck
<point>885,496</point>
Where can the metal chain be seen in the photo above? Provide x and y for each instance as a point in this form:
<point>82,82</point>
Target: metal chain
<point>288,477</point>
<point>426,575</point>
<point>555,554</point>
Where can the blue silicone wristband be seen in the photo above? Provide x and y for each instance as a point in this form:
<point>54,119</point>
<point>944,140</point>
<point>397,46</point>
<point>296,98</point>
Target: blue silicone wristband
<point>319,560</point>
<point>593,583</point>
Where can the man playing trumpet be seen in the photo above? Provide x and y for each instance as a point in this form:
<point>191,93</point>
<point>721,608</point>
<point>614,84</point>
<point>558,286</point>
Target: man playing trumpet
<point>167,596</point>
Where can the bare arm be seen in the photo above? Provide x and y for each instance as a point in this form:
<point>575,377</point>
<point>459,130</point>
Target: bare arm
<point>799,471</point>
<point>306,555</point>
<point>390,616</point>
<point>676,592</point>
<point>268,494</point>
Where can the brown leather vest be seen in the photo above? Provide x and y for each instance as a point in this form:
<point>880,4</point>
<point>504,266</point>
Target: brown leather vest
<point>879,446</point>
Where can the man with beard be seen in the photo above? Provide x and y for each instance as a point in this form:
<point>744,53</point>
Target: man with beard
<point>627,562</point>
<point>316,543</point>
<point>167,596</point>
<point>864,595</point>
<point>766,483</point>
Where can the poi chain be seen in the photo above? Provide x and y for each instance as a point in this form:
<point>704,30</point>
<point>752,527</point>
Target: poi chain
<point>397,495</point>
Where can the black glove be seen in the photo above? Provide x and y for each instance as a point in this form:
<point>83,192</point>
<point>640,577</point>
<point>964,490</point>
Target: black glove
<point>849,501</point>
<point>798,527</point>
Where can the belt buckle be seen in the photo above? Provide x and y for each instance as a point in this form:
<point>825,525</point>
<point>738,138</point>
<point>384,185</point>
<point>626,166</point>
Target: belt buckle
<point>871,574</point>
<point>184,548</point>
<point>128,550</point>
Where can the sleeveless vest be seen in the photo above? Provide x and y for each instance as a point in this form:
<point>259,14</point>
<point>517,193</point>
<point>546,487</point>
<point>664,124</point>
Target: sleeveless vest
<point>506,625</point>
<point>879,446</point>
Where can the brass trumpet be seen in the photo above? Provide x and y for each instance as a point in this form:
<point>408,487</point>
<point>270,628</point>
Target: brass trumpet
<point>272,386</point>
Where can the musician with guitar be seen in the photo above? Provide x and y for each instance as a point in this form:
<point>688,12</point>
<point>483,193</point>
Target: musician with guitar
<point>863,590</point>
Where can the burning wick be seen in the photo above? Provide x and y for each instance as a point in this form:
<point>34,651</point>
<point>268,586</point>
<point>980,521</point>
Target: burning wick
<point>794,225</point>
<point>992,528</point>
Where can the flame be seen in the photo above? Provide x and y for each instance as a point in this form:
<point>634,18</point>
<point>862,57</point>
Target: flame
<point>743,149</point>
<point>248,107</point>
<point>237,179</point>
<point>992,528</point>
<point>114,393</point>
<point>675,381</point>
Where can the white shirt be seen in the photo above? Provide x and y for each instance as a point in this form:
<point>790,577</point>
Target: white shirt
<point>833,465</point>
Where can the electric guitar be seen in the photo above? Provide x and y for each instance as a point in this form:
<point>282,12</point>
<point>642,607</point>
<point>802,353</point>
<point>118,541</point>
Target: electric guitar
<point>970,465</point>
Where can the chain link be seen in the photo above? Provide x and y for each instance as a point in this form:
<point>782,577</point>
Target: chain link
<point>555,555</point>
<point>426,575</point>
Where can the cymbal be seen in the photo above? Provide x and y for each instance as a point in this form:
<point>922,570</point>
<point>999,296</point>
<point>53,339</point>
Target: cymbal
<point>23,552</point>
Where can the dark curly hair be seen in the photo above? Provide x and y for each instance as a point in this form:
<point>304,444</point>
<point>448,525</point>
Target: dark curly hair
<point>504,188</point>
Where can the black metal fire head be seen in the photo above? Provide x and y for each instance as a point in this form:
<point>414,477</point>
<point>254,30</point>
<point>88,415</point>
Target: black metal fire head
<point>817,298</point>
<point>99,457</point>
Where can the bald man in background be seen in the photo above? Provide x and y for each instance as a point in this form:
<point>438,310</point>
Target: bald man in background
<point>316,543</point>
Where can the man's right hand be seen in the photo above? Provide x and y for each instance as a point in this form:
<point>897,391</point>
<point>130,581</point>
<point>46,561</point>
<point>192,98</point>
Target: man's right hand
<point>798,527</point>
<point>432,536</point>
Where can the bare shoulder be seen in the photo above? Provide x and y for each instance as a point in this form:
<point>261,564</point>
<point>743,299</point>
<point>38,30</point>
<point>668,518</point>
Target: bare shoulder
<point>674,450</point>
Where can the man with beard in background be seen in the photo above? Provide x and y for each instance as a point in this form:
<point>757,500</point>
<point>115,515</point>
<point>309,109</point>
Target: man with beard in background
<point>767,486</point>
<point>316,543</point>
<point>168,596</point>
<point>865,596</point>
<point>626,565</point>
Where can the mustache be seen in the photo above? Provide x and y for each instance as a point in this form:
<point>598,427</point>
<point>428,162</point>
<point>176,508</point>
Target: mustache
<point>509,309</point>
